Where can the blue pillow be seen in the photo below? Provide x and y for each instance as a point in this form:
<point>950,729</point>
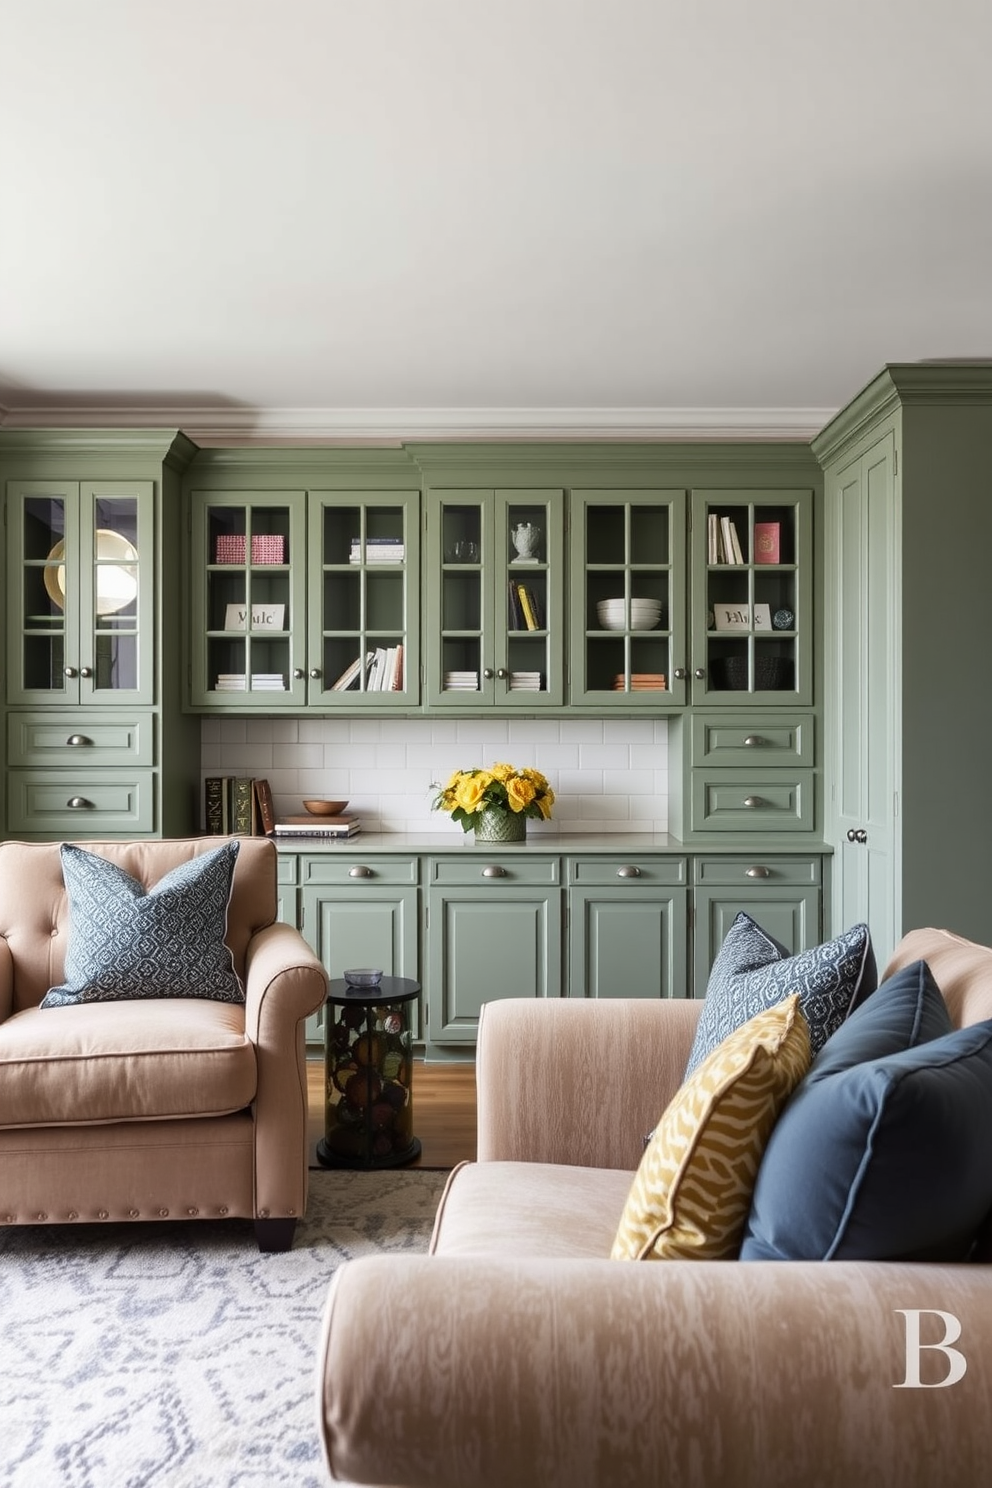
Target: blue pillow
<point>885,1157</point>
<point>752,972</point>
<point>126,943</point>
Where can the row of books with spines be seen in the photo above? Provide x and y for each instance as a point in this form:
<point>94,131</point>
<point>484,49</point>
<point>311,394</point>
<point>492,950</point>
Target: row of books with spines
<point>526,611</point>
<point>383,671</point>
<point>238,806</point>
<point>724,545</point>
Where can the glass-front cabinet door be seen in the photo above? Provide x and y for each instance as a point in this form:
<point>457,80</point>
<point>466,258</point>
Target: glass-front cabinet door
<point>364,560</point>
<point>495,599</point>
<point>752,586</point>
<point>81,566</point>
<point>628,599</point>
<point>248,631</point>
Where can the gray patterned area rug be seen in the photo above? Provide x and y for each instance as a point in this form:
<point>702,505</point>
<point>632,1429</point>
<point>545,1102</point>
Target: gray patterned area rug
<point>175,1355</point>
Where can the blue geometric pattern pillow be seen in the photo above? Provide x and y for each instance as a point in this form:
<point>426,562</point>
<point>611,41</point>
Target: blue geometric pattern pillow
<point>752,972</point>
<point>126,943</point>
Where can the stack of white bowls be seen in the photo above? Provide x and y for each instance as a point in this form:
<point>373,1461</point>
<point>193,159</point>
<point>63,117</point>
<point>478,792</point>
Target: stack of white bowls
<point>644,614</point>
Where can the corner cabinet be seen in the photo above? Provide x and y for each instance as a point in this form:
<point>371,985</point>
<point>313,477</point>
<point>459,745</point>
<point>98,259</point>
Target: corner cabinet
<point>495,599</point>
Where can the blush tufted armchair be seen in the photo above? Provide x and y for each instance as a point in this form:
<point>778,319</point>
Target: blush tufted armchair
<point>153,1108</point>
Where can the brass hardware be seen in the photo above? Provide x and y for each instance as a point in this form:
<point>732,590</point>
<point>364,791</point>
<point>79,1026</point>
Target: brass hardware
<point>495,871</point>
<point>630,871</point>
<point>360,871</point>
<point>758,872</point>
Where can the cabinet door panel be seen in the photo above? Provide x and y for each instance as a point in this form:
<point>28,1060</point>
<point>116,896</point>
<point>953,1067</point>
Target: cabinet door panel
<point>361,927</point>
<point>627,942</point>
<point>790,915</point>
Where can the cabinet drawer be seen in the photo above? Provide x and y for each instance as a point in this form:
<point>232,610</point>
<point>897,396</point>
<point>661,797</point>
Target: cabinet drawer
<point>481,868</point>
<point>351,868</point>
<point>755,872</point>
<point>79,739</point>
<point>286,868</point>
<point>38,802</point>
<point>752,800</point>
<point>763,739</point>
<point>597,872</point>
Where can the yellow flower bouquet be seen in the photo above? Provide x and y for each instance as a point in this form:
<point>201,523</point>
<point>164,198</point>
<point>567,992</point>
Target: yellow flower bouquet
<point>479,797</point>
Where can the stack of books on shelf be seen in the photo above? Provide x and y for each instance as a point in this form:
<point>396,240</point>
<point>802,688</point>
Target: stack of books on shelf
<point>461,681</point>
<point>525,681</point>
<point>378,550</point>
<point>268,682</point>
<point>237,805</point>
<point>338,828</point>
<point>381,670</point>
<point>641,682</point>
<point>525,609</point>
<point>723,543</point>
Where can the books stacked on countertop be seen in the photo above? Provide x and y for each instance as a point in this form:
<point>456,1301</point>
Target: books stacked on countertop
<point>641,682</point>
<point>335,827</point>
<point>381,670</point>
<point>461,681</point>
<point>237,806</point>
<point>378,550</point>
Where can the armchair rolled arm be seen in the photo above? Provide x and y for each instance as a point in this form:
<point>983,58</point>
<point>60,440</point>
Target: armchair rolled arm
<point>673,1374</point>
<point>577,1081</point>
<point>6,980</point>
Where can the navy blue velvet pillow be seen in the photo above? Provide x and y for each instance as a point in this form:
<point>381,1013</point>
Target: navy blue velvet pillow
<point>883,1152</point>
<point>752,971</point>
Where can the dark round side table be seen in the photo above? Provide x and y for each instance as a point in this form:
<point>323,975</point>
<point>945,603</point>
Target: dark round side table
<point>368,1069</point>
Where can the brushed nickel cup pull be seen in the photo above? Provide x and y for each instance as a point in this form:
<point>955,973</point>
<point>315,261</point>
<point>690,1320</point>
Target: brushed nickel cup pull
<point>75,740</point>
<point>78,803</point>
<point>630,871</point>
<point>85,671</point>
<point>752,740</point>
<point>495,871</point>
<point>758,872</point>
<point>360,871</point>
<point>752,801</point>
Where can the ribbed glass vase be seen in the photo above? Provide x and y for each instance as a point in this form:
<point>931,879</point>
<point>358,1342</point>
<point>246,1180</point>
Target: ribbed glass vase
<point>500,826</point>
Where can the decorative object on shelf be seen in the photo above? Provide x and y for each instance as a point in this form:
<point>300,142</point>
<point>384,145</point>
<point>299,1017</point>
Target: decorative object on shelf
<point>783,619</point>
<point>463,552</point>
<point>526,539</point>
<point>325,808</point>
<point>732,616</point>
<point>762,617</point>
<point>644,613</point>
<point>230,547</point>
<point>268,547</point>
<point>767,542</point>
<point>495,803</point>
<point>363,976</point>
<point>116,574</point>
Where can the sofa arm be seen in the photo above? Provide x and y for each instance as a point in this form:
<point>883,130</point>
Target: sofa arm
<point>284,983</point>
<point>608,1374</point>
<point>6,980</point>
<point>578,1082</point>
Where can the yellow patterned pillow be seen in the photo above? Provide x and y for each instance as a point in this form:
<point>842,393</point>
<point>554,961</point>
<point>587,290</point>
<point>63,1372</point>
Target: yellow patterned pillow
<point>692,1192</point>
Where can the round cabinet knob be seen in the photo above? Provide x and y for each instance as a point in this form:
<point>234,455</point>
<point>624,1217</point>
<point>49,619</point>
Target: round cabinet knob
<point>680,674</point>
<point>75,741</point>
<point>315,671</point>
<point>700,672</point>
<point>85,671</point>
<point>78,803</point>
<point>753,740</point>
<point>630,871</point>
<point>757,872</point>
<point>488,673</point>
<point>502,672</point>
<point>494,871</point>
<point>70,671</point>
<point>857,834</point>
<point>360,871</point>
<point>752,801</point>
<point>298,672</point>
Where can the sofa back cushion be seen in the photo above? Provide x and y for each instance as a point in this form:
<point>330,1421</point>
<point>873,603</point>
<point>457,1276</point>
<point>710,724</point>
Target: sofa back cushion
<point>961,968</point>
<point>34,911</point>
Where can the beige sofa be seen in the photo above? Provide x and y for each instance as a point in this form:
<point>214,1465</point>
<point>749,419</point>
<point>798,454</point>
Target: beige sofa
<point>169,1108</point>
<point>516,1355</point>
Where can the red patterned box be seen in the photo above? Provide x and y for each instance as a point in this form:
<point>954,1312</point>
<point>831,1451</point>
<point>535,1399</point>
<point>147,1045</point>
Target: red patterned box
<point>230,548</point>
<point>268,548</point>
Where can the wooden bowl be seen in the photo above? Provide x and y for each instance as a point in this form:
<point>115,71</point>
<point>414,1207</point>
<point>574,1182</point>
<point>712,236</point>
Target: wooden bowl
<point>325,808</point>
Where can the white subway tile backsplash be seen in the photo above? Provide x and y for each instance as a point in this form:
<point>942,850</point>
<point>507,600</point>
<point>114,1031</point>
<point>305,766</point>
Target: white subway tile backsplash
<point>608,774</point>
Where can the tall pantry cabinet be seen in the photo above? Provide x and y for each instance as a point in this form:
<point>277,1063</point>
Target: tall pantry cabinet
<point>908,706</point>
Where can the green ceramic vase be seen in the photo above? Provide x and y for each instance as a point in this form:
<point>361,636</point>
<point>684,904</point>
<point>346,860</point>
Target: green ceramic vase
<point>500,826</point>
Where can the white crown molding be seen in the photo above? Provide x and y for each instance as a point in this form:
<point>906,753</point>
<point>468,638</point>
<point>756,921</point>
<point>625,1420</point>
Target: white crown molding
<point>325,426</point>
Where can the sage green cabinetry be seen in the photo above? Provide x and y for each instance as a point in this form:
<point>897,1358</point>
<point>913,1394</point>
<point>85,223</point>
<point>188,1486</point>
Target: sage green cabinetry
<point>783,893</point>
<point>908,711</point>
<point>494,592</point>
<point>96,742</point>
<point>628,552</point>
<point>627,926</point>
<point>494,930</point>
<point>361,911</point>
<point>304,599</point>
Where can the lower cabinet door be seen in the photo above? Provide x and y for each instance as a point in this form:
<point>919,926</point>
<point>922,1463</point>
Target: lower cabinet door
<point>782,895</point>
<point>484,944</point>
<point>362,926</point>
<point>627,942</point>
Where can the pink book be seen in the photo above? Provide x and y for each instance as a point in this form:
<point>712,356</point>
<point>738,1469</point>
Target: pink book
<point>766,542</point>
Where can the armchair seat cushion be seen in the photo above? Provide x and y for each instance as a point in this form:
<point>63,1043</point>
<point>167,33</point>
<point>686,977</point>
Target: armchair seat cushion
<point>523,1209</point>
<point>124,1061</point>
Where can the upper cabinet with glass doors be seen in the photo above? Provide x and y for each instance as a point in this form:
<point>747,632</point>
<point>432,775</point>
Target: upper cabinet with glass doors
<point>752,597</point>
<point>494,599</point>
<point>304,599</point>
<point>628,599</point>
<point>81,566</point>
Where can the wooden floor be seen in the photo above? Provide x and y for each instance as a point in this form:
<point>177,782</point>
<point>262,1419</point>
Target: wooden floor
<point>443,1111</point>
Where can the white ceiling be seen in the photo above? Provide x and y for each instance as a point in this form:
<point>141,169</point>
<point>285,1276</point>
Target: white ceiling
<point>402,217</point>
